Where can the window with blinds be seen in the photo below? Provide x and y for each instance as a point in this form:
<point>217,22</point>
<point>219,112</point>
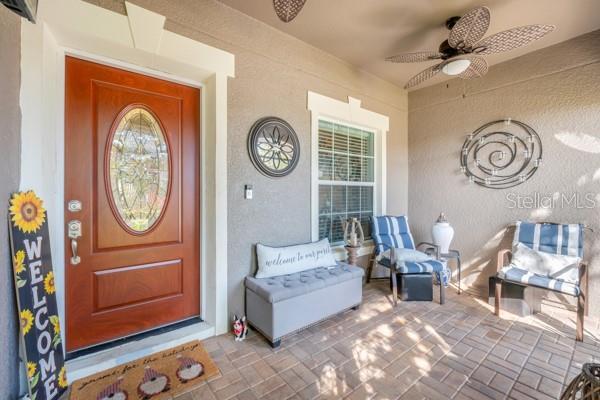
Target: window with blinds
<point>346,178</point>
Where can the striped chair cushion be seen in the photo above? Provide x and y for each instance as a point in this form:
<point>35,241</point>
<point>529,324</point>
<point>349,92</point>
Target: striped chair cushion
<point>408,267</point>
<point>391,232</point>
<point>512,273</point>
<point>564,239</point>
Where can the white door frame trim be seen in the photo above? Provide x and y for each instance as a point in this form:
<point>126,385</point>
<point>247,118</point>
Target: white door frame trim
<point>138,42</point>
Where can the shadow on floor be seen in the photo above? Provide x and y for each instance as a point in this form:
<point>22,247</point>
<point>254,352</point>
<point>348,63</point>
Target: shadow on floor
<point>458,350</point>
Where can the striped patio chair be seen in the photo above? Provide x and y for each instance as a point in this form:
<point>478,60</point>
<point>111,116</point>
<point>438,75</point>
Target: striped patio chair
<point>562,242</point>
<point>391,233</point>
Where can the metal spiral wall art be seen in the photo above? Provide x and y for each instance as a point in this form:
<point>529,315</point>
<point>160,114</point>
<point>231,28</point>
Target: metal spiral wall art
<point>501,154</point>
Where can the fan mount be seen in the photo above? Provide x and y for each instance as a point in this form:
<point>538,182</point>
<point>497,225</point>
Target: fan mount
<point>450,22</point>
<point>448,51</point>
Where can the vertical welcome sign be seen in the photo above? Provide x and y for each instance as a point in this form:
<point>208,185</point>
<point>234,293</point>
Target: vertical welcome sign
<point>36,297</point>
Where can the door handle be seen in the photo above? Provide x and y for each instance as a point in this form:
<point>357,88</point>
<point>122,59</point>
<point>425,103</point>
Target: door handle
<point>75,259</point>
<point>74,232</point>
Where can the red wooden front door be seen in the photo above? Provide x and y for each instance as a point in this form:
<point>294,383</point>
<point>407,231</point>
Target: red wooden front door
<point>132,196</point>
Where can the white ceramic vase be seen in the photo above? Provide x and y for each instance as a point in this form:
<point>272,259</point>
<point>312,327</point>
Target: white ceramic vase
<point>442,233</point>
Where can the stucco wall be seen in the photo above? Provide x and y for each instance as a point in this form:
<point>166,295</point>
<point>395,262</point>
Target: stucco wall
<point>556,91</point>
<point>274,71</point>
<point>10,119</point>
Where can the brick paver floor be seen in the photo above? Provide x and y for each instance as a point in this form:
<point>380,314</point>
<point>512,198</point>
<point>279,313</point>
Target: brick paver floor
<point>418,350</point>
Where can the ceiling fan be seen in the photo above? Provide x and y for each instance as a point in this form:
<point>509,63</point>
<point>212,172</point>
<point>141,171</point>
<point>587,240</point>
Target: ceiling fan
<point>287,10</point>
<point>462,52</point>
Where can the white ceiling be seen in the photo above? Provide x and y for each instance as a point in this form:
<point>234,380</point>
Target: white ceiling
<point>364,32</point>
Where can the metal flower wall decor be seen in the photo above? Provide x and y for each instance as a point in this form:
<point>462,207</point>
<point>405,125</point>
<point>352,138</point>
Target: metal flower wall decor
<point>501,154</point>
<point>273,147</point>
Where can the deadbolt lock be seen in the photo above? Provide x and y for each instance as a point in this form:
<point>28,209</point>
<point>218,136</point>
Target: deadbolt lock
<point>74,206</point>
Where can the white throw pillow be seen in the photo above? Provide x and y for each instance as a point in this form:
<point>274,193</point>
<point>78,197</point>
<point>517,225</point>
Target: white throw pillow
<point>555,266</point>
<point>276,261</point>
<point>410,255</point>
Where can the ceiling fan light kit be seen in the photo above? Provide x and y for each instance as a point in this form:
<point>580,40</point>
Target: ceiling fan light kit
<point>461,54</point>
<point>456,67</point>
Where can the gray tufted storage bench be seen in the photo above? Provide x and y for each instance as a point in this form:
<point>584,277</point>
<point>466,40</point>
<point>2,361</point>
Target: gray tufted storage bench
<point>284,304</point>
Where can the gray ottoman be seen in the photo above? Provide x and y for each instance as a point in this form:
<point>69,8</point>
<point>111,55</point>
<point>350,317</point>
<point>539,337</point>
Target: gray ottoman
<point>284,304</point>
<point>414,287</point>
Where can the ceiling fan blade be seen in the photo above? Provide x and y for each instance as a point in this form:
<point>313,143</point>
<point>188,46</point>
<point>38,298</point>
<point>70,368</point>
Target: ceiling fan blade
<point>470,28</point>
<point>512,39</point>
<point>287,10</point>
<point>415,57</point>
<point>423,76</point>
<point>478,68</point>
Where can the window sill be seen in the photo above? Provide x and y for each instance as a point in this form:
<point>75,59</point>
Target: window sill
<point>340,254</point>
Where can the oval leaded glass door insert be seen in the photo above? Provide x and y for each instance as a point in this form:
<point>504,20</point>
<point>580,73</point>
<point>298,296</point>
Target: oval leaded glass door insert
<point>138,168</point>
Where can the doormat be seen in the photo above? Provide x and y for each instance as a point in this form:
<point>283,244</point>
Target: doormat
<point>158,376</point>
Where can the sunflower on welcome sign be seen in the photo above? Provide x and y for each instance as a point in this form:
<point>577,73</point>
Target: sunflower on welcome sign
<point>27,211</point>
<point>62,378</point>
<point>19,262</point>
<point>31,368</point>
<point>49,283</point>
<point>32,375</point>
<point>56,327</point>
<point>19,266</point>
<point>55,323</point>
<point>26,321</point>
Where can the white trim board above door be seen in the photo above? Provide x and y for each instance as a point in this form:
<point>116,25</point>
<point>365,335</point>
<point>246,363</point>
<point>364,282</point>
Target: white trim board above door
<point>137,42</point>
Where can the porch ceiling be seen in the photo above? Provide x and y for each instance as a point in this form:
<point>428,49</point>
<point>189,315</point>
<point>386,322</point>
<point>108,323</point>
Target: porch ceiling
<point>365,32</point>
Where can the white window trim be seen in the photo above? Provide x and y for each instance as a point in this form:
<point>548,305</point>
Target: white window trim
<point>350,114</point>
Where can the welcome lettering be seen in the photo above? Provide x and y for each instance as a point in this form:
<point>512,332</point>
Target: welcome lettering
<point>44,338</point>
<point>313,254</point>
